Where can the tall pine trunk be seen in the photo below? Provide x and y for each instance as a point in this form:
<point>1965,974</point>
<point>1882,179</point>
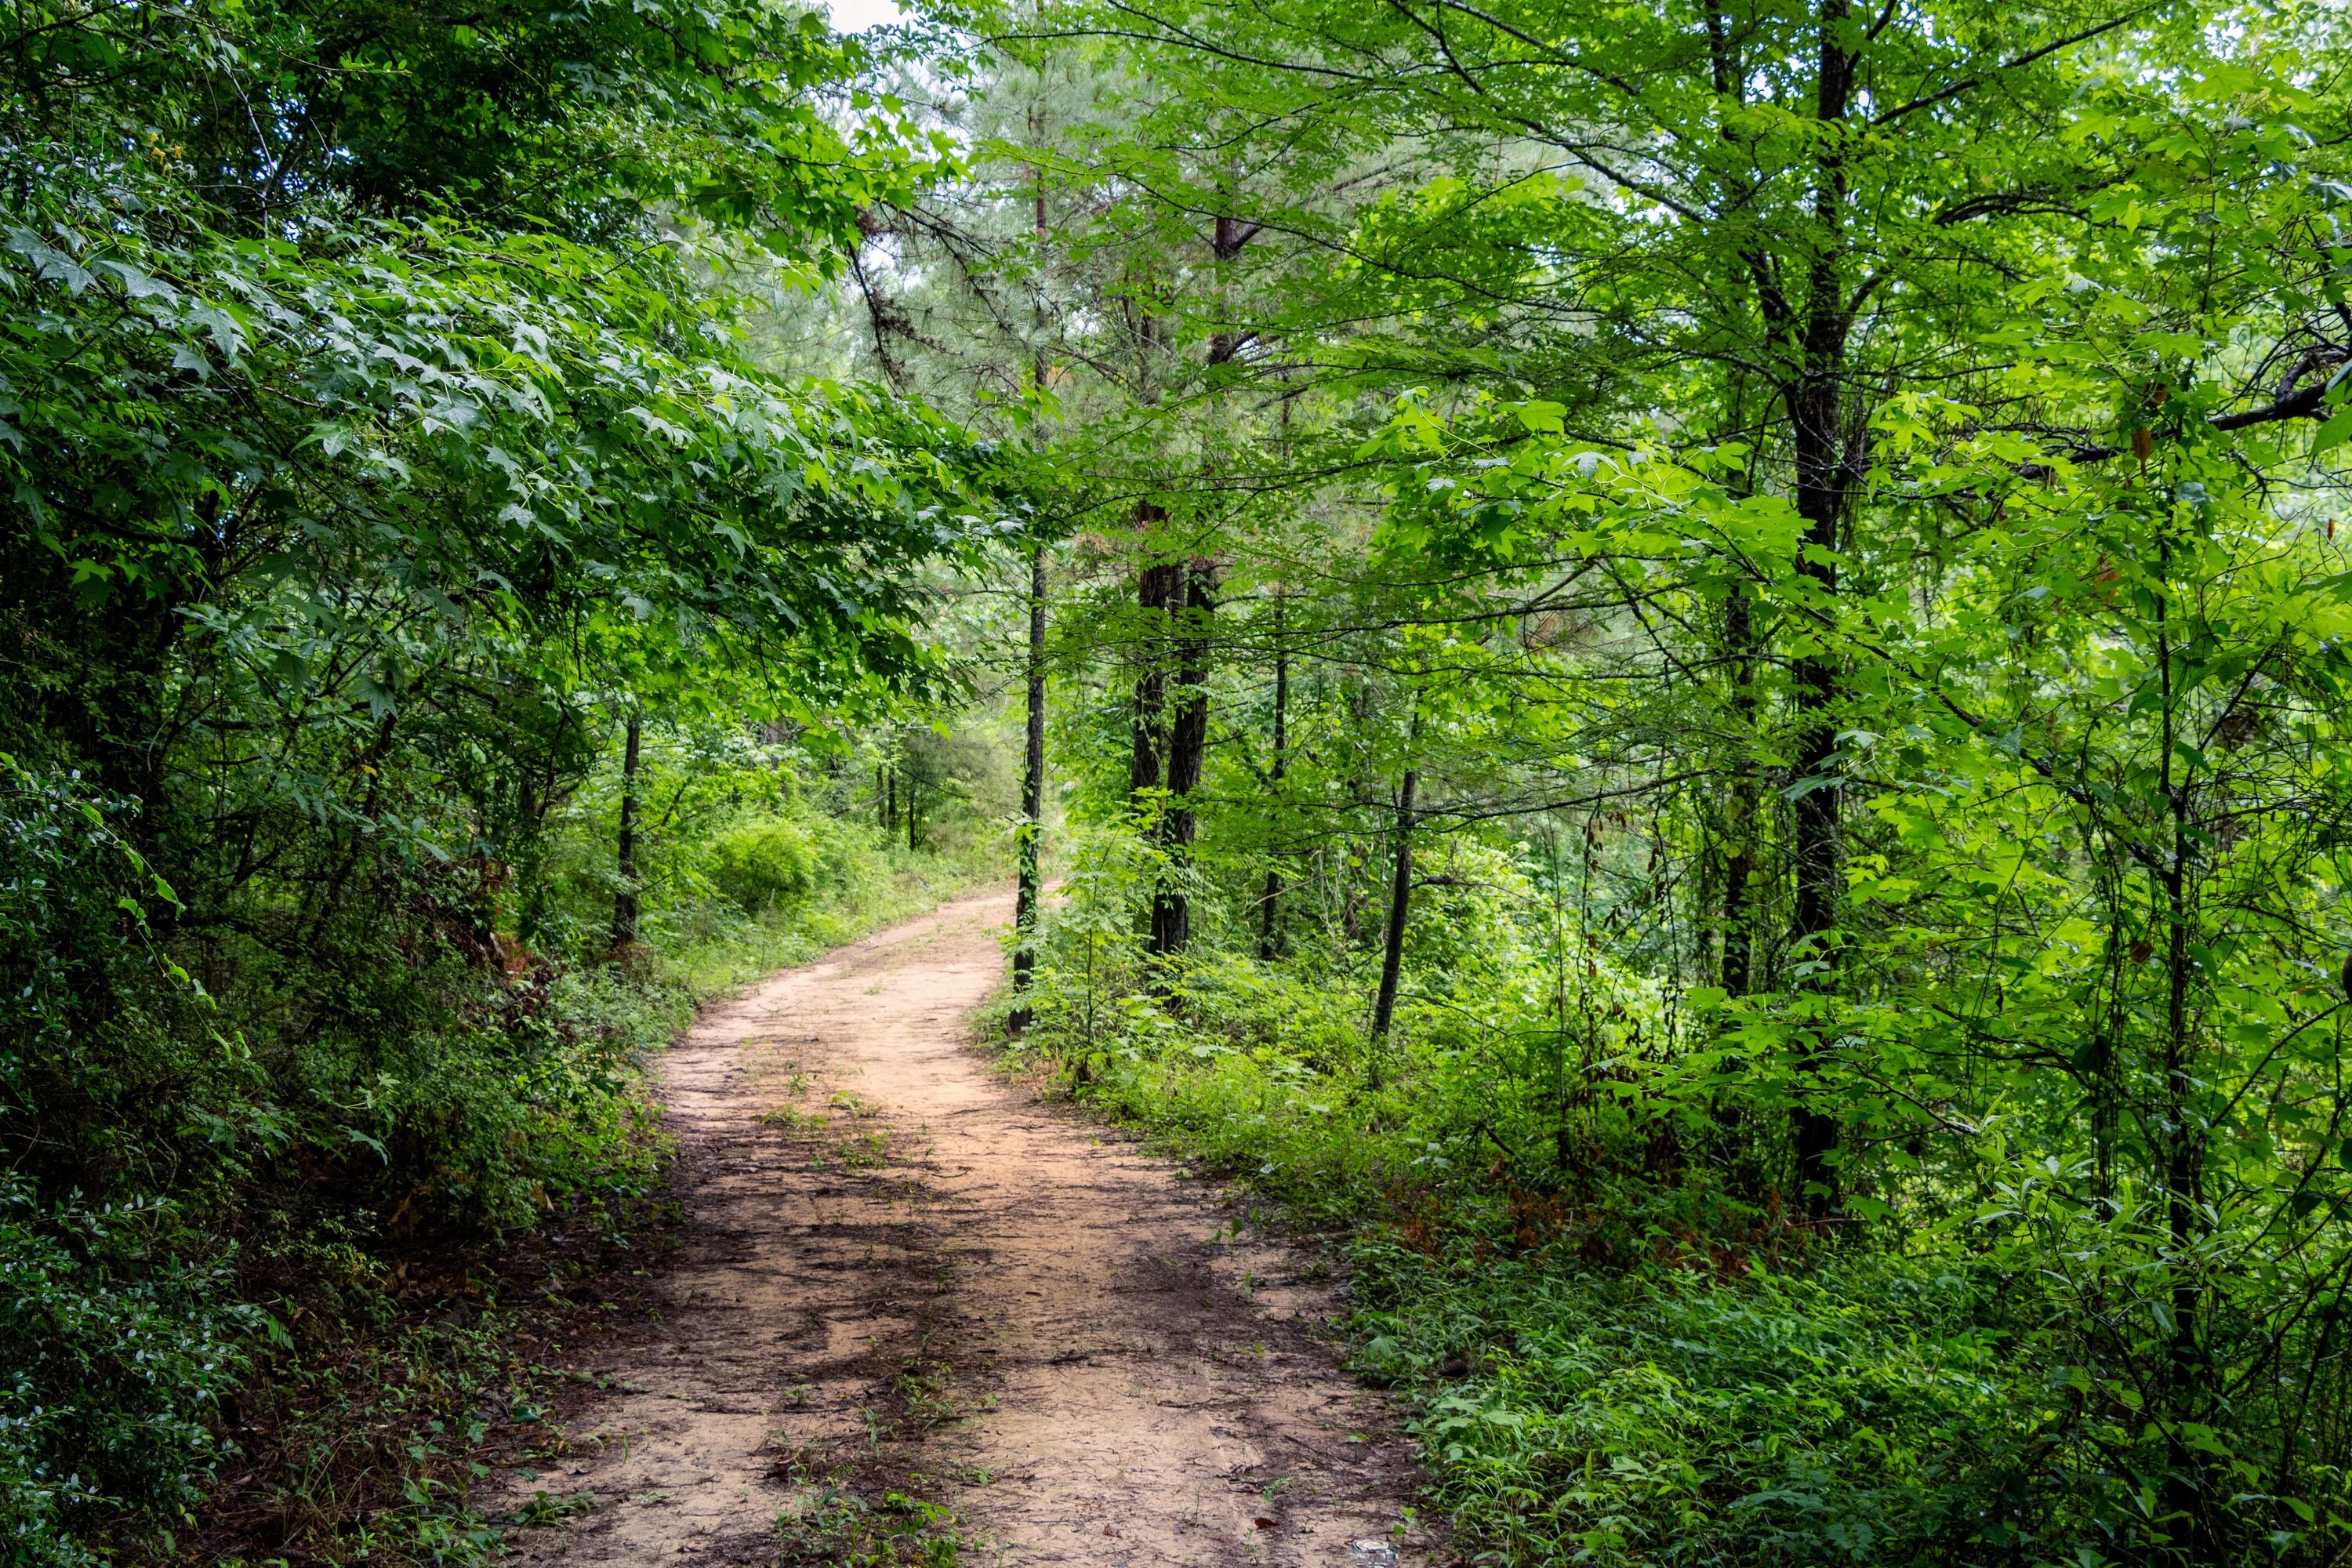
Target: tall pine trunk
<point>1269,938</point>
<point>624,895</point>
<point>1400,906</point>
<point>1033,794</point>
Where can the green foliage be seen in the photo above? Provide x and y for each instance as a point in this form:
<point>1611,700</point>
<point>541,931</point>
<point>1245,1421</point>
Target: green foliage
<point>839,1527</point>
<point>1266,1065</point>
<point>1789,556</point>
<point>118,1349</point>
<point>1866,1411</point>
<point>114,1320</point>
<point>1615,1358</point>
<point>764,863</point>
<point>1786,555</point>
<point>1622,1351</point>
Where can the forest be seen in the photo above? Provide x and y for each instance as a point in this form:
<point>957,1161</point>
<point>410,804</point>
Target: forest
<point>1673,669</point>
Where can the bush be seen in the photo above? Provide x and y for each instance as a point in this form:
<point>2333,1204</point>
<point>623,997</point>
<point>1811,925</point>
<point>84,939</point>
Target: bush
<point>1615,1358</point>
<point>765,863</point>
<point>382,1082</point>
<point>114,1344</point>
<point>1867,1413</point>
<point>116,1353</point>
<point>378,1068</point>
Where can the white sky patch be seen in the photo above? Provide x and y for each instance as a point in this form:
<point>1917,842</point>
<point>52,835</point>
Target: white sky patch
<point>856,15</point>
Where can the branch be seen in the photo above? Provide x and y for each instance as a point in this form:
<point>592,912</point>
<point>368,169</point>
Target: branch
<point>2027,58</point>
<point>2308,402</point>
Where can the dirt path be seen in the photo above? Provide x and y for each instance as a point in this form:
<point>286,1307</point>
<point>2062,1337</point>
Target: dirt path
<point>903,1275</point>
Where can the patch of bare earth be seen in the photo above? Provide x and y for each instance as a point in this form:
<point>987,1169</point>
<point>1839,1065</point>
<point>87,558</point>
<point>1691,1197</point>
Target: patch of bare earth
<point>907,1287</point>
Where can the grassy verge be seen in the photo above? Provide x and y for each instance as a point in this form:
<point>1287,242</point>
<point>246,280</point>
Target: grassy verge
<point>1604,1366</point>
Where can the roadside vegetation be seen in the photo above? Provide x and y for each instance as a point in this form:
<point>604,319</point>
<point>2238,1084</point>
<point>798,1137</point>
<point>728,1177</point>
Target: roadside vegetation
<point>302,1324</point>
<point>438,648</point>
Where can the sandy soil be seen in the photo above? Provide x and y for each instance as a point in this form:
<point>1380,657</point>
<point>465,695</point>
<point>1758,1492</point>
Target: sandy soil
<point>902,1274</point>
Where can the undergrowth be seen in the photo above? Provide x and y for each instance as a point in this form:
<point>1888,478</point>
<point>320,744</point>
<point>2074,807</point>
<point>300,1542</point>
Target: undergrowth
<point>1594,1378</point>
<point>1612,1357</point>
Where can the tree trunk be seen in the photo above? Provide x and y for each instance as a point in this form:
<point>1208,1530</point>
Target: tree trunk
<point>1159,588</point>
<point>1033,758</point>
<point>1188,741</point>
<point>1269,938</point>
<point>1400,905</point>
<point>1033,794</point>
<point>1156,589</point>
<point>2187,1388</point>
<point>1736,970</point>
<point>625,896</point>
<point>1816,416</point>
<point>1813,919</point>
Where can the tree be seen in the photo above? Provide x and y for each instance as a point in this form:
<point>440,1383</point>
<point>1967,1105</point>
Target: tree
<point>1718,375</point>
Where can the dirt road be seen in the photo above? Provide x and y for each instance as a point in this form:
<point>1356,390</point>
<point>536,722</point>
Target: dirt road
<point>904,1279</point>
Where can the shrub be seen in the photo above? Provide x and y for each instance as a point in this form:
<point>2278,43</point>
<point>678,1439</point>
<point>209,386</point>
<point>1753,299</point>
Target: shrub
<point>113,1352</point>
<point>114,1344</point>
<point>1868,1413</point>
<point>766,862</point>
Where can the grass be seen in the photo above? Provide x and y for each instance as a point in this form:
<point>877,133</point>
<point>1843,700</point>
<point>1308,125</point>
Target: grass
<point>840,1529</point>
<point>1600,1372</point>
